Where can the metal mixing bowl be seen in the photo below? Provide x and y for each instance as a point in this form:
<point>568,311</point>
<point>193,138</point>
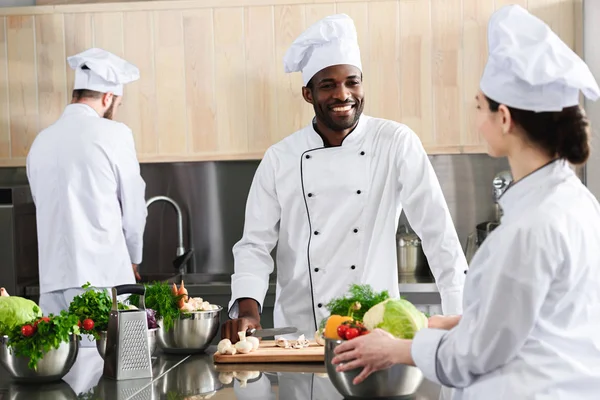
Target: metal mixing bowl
<point>191,333</point>
<point>101,343</point>
<point>52,367</point>
<point>399,380</point>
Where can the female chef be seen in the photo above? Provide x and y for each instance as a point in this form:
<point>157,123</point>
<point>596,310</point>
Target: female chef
<point>529,329</point>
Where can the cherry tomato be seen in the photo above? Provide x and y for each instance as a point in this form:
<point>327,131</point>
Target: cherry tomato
<point>341,331</point>
<point>43,319</point>
<point>365,332</point>
<point>351,333</point>
<point>88,324</point>
<point>27,330</point>
<point>79,324</point>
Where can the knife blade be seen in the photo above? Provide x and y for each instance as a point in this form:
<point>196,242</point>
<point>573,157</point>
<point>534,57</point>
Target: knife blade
<point>261,333</point>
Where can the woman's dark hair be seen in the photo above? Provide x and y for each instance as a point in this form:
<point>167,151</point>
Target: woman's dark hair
<point>565,133</point>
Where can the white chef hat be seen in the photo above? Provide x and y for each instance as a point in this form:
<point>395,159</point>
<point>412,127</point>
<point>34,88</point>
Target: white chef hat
<point>529,67</point>
<point>105,71</point>
<point>330,41</point>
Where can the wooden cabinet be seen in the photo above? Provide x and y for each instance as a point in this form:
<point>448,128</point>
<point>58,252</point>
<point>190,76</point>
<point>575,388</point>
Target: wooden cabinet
<point>212,82</point>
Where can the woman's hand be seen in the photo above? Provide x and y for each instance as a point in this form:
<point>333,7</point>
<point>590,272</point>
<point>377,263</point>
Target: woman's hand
<point>373,352</point>
<point>445,322</point>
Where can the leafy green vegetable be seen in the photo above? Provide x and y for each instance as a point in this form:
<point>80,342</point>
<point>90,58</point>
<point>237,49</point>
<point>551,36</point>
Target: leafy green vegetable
<point>160,298</point>
<point>364,295</point>
<point>94,304</point>
<point>47,336</point>
<point>396,316</point>
<point>15,311</point>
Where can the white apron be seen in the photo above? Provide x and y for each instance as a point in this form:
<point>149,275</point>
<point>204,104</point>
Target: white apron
<point>89,197</point>
<point>532,300</point>
<point>333,213</point>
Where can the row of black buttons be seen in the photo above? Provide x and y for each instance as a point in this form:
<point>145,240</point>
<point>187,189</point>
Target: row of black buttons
<point>362,153</point>
<point>355,230</point>
<point>351,267</point>
<point>312,194</point>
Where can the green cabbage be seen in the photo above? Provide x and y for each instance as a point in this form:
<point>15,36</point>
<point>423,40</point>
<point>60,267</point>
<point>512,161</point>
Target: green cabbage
<point>15,311</point>
<point>396,316</point>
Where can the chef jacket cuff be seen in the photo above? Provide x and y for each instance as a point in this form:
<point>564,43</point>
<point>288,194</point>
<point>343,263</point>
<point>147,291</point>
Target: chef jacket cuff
<point>452,300</point>
<point>247,286</point>
<point>424,350</point>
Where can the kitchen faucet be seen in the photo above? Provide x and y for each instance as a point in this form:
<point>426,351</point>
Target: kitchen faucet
<point>182,255</point>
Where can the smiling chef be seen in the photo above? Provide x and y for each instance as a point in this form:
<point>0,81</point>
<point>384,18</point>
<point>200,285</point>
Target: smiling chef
<point>85,181</point>
<point>330,196</point>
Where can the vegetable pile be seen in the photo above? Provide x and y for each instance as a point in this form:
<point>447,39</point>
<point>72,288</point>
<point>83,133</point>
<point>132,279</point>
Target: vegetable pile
<point>92,309</point>
<point>38,336</point>
<point>16,311</point>
<point>169,303</point>
<point>363,310</point>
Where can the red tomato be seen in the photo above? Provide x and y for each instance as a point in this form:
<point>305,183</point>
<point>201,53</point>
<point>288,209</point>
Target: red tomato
<point>88,324</point>
<point>364,332</point>
<point>341,331</point>
<point>43,319</point>
<point>79,324</point>
<point>27,330</point>
<point>351,333</point>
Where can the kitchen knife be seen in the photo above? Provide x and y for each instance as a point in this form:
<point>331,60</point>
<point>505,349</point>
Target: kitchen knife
<point>261,333</point>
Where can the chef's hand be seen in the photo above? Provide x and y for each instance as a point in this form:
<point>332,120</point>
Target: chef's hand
<point>373,352</point>
<point>445,322</point>
<point>249,318</point>
<point>138,277</point>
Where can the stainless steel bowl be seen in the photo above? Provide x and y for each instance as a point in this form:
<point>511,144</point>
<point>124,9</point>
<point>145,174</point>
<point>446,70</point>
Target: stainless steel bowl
<point>101,343</point>
<point>191,333</point>
<point>399,380</point>
<point>193,378</point>
<point>52,367</point>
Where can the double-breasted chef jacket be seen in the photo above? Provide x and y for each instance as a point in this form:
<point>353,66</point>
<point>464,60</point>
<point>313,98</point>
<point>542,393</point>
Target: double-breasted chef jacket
<point>532,300</point>
<point>90,201</point>
<point>333,213</point>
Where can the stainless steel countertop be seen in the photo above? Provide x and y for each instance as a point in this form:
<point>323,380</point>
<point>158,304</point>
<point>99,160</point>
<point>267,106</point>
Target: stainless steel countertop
<point>183,377</point>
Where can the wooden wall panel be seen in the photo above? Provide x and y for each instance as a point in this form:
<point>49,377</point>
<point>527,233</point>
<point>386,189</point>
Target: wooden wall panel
<point>212,81</point>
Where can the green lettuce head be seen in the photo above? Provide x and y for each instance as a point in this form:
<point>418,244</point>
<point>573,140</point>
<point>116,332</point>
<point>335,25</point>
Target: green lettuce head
<point>15,311</point>
<point>396,316</point>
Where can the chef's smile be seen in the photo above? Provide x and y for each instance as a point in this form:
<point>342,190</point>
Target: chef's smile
<point>342,110</point>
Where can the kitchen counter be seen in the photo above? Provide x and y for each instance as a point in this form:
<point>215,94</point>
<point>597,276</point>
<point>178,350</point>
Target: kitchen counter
<point>179,377</point>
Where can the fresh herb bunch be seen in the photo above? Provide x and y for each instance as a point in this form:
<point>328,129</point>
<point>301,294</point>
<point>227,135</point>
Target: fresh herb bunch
<point>160,298</point>
<point>43,335</point>
<point>94,304</point>
<point>357,302</point>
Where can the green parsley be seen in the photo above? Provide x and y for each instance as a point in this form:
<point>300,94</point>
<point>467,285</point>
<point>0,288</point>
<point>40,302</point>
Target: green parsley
<point>94,304</point>
<point>46,336</point>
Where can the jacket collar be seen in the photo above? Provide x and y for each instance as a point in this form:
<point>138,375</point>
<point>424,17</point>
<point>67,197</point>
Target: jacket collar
<point>549,175</point>
<point>80,109</point>
<point>353,137</point>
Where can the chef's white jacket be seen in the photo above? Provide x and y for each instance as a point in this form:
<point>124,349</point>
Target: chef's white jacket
<point>90,201</point>
<point>532,300</point>
<point>333,213</point>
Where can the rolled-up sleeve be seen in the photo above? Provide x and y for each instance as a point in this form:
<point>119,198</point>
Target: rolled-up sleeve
<point>131,192</point>
<point>513,282</point>
<point>253,262</point>
<point>427,212</point>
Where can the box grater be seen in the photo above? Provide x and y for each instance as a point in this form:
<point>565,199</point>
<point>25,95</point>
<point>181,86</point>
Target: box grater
<point>127,352</point>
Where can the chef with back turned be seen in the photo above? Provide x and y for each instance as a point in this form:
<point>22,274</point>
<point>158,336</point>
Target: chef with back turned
<point>330,196</point>
<point>86,185</point>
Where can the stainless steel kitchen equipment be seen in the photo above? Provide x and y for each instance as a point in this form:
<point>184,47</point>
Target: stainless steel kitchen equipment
<point>194,378</point>
<point>191,333</point>
<point>18,239</point>
<point>183,255</point>
<point>411,258</point>
<point>500,184</point>
<point>263,333</point>
<point>101,343</point>
<point>396,381</point>
<point>127,354</point>
<point>52,367</point>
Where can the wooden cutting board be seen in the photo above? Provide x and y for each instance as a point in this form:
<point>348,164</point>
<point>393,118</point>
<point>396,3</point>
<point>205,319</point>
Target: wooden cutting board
<point>269,353</point>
